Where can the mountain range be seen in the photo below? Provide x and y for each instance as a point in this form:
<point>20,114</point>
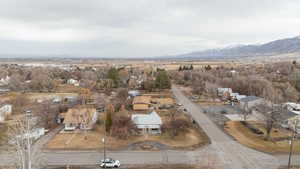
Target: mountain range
<point>279,48</point>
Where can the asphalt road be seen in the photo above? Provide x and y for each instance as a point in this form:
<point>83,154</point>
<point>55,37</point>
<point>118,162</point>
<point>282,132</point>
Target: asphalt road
<point>228,153</point>
<point>223,153</point>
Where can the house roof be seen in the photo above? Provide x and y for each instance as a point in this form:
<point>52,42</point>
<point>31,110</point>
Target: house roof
<point>249,98</point>
<point>79,115</point>
<point>163,100</point>
<point>146,119</point>
<point>133,93</point>
<point>141,100</point>
<point>287,115</point>
<point>62,115</point>
<point>140,107</point>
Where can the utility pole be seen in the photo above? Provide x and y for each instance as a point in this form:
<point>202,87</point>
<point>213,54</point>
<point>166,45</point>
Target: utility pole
<point>28,113</point>
<point>291,142</point>
<point>104,139</point>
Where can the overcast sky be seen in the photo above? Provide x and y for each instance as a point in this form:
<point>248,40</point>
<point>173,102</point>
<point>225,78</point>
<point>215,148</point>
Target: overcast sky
<point>140,28</point>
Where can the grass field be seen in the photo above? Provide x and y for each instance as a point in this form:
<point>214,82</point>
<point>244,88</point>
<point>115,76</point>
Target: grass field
<point>246,137</point>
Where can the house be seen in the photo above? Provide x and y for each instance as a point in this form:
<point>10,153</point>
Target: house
<point>290,119</point>
<point>5,111</point>
<point>233,96</point>
<point>293,107</point>
<point>141,103</point>
<point>251,101</point>
<point>223,91</point>
<point>147,123</point>
<point>133,93</point>
<point>73,82</point>
<point>4,81</point>
<point>80,118</point>
<point>239,97</point>
<point>57,100</point>
<point>3,91</point>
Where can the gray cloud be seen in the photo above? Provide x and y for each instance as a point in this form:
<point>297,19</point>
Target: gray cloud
<point>140,28</point>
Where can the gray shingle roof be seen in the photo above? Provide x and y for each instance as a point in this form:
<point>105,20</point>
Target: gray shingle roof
<point>146,119</point>
<point>249,98</point>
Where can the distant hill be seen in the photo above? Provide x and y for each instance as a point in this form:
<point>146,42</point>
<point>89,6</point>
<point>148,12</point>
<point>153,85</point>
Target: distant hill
<point>278,47</point>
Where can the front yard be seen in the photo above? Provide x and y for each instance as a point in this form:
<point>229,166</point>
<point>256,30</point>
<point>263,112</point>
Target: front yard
<point>3,136</point>
<point>248,137</point>
<point>91,140</point>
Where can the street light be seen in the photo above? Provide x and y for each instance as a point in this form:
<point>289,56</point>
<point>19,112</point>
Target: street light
<point>28,114</point>
<point>291,142</point>
<point>104,139</point>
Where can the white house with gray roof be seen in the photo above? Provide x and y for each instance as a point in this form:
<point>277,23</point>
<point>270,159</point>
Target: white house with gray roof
<point>147,123</point>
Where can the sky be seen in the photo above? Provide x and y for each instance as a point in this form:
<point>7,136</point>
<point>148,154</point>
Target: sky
<point>140,28</point>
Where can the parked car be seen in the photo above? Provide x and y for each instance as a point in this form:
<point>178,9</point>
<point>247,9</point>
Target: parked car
<point>179,104</point>
<point>110,163</point>
<point>166,106</point>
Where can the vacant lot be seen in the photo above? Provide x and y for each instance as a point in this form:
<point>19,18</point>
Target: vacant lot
<point>247,137</point>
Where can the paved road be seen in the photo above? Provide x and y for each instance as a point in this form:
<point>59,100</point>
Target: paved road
<point>223,153</point>
<point>229,153</point>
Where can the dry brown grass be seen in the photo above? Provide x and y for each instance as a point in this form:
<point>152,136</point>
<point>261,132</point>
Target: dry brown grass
<point>34,96</point>
<point>246,137</point>
<point>163,101</point>
<point>92,140</point>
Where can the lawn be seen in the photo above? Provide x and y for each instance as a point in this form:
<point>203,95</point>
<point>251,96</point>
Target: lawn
<point>91,140</point>
<point>3,136</point>
<point>247,137</point>
<point>192,139</point>
<point>3,130</point>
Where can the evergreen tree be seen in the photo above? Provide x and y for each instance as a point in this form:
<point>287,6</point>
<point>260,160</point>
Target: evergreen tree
<point>108,117</point>
<point>114,76</point>
<point>294,62</point>
<point>180,68</point>
<point>207,68</point>
<point>108,122</point>
<point>162,80</point>
<point>191,67</point>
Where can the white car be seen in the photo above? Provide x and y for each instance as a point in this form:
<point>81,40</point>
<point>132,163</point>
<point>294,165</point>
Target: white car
<point>110,163</point>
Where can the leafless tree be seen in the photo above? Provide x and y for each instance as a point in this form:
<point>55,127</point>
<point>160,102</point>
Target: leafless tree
<point>27,156</point>
<point>123,127</point>
<point>17,82</point>
<point>175,127</point>
<point>212,90</point>
<point>246,112</point>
